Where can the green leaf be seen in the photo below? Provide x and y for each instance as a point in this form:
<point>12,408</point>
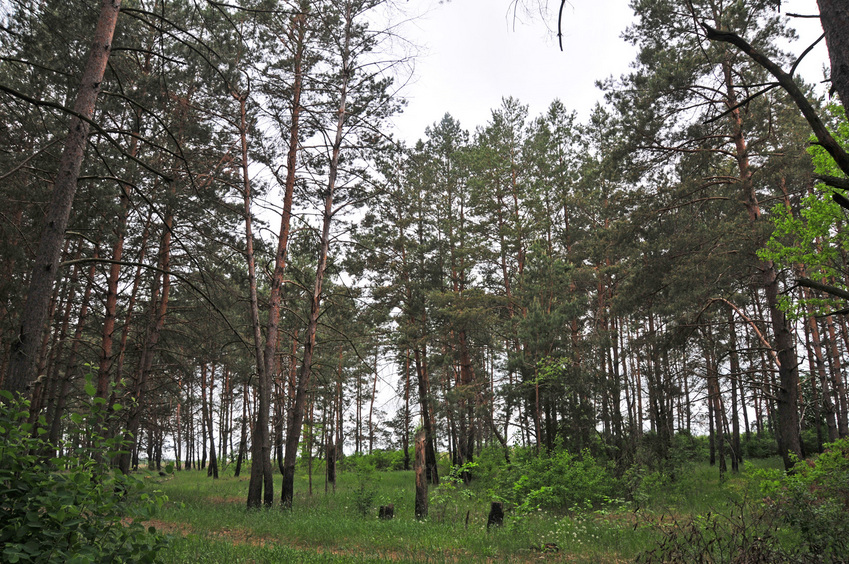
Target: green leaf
<point>90,390</point>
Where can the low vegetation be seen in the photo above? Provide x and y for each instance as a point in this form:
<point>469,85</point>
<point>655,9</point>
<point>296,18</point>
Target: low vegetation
<point>560,507</point>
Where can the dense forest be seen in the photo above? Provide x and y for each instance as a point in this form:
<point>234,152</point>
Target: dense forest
<point>208,227</point>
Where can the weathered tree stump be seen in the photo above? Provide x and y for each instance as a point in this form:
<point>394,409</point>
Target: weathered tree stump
<point>386,512</point>
<point>331,464</point>
<point>421,476</point>
<point>496,515</point>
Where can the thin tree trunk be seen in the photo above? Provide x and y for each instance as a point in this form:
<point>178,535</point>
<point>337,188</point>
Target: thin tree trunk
<point>208,421</point>
<point>842,402</point>
<point>243,438</point>
<point>294,431</point>
<point>71,363</point>
<point>159,308</point>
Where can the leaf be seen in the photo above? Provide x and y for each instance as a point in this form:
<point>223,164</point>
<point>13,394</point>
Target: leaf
<point>90,390</point>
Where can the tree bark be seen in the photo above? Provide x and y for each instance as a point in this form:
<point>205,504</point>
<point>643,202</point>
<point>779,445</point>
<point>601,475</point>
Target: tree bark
<point>297,419</point>
<point>834,17</point>
<point>23,361</point>
<point>420,466</point>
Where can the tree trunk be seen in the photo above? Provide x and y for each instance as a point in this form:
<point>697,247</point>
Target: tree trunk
<point>262,448</point>
<point>159,308</point>
<point>294,432</point>
<point>834,17</point>
<point>788,391</point>
<point>213,461</point>
<point>420,466</point>
<point>23,361</point>
<point>243,439</point>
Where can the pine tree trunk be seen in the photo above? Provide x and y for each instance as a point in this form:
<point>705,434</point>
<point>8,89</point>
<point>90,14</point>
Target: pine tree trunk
<point>71,362</point>
<point>841,404</point>
<point>21,372</point>
<point>261,469</point>
<point>788,391</point>
<point>294,432</point>
<point>834,17</point>
<point>159,309</point>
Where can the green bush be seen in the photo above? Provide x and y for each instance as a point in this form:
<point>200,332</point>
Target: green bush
<point>70,508</point>
<point>452,492</point>
<point>365,492</point>
<point>556,480</point>
<point>760,446</point>
<point>813,499</point>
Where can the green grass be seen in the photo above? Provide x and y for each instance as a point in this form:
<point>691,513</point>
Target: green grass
<point>210,523</point>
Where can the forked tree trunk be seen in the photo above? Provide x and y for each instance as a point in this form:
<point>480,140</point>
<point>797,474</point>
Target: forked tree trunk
<point>298,405</point>
<point>260,445</point>
<point>261,469</point>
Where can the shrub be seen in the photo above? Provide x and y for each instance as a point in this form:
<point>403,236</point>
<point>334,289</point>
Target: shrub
<point>71,508</point>
<point>813,499</point>
<point>557,480</point>
<point>736,536</point>
<point>452,491</point>
<point>365,491</point>
<point>760,446</point>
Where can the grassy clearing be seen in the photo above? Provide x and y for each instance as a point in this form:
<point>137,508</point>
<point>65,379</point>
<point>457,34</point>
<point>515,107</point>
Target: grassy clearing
<point>210,523</point>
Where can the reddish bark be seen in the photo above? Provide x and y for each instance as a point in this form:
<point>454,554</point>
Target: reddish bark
<point>24,350</point>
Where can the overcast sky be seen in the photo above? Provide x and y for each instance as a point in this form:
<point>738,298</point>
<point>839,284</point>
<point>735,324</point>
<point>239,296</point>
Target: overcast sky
<point>473,55</point>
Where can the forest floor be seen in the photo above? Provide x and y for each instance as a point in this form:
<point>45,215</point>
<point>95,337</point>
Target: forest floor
<point>209,523</point>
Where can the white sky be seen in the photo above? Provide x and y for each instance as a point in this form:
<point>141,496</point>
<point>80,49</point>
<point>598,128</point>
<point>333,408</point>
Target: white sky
<point>473,56</point>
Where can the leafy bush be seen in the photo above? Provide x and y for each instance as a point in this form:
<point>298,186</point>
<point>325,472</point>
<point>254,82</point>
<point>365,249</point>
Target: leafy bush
<point>388,459</point>
<point>813,499</point>
<point>760,446</point>
<point>452,491</point>
<point>803,518</point>
<point>366,490</point>
<point>70,508</point>
<point>557,480</point>
<point>382,460</point>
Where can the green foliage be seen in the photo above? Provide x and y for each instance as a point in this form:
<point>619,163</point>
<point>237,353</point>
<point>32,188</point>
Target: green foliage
<point>452,491</point>
<point>735,536</point>
<point>556,480</point>
<point>71,507</point>
<point>813,500</point>
<point>816,237</point>
<point>366,490</point>
<point>759,446</point>
<point>803,517</point>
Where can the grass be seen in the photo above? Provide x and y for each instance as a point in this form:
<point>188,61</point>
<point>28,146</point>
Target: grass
<point>209,522</point>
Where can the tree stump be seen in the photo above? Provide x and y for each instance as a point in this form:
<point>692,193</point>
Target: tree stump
<point>386,512</point>
<point>421,476</point>
<point>331,463</point>
<point>496,515</point>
